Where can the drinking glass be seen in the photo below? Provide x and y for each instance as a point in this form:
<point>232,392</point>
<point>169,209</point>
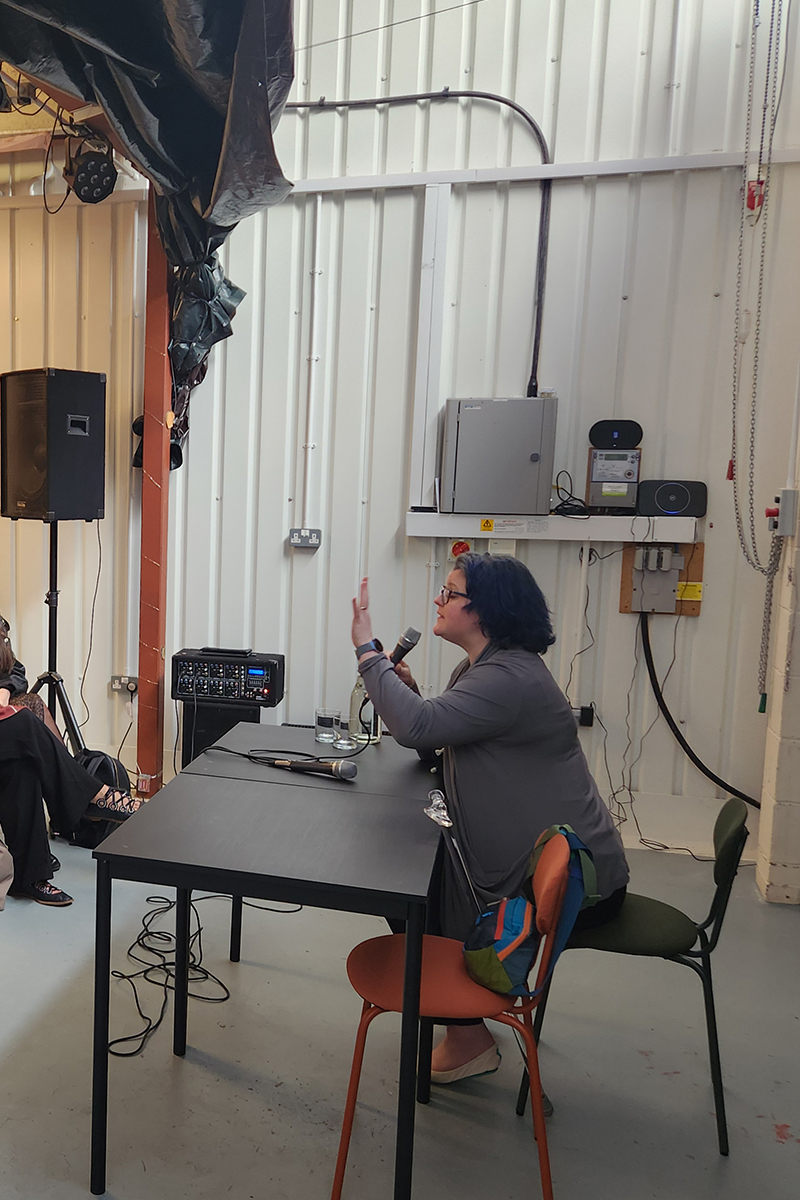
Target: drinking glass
<point>326,721</point>
<point>344,740</point>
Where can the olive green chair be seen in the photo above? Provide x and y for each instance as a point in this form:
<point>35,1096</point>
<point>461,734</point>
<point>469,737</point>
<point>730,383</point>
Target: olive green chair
<point>650,929</point>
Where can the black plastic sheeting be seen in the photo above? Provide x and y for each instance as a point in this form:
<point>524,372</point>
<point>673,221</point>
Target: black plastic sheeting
<point>192,90</point>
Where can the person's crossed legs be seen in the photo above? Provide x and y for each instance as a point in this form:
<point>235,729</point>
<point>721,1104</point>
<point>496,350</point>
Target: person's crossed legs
<point>34,765</point>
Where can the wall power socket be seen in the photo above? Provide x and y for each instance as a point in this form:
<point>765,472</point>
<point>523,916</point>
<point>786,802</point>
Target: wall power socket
<point>128,684</point>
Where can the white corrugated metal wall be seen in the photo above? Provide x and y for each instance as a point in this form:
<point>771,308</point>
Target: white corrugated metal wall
<point>638,323</point>
<point>72,296</point>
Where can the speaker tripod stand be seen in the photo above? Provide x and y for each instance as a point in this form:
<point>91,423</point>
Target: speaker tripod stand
<point>57,697</point>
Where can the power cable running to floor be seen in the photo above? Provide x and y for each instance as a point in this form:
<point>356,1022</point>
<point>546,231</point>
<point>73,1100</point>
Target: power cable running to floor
<point>668,717</point>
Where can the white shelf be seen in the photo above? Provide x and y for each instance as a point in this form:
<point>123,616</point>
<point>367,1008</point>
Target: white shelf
<point>552,528</point>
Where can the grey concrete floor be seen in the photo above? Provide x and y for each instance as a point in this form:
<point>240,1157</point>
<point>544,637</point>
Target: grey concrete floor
<point>253,1110</point>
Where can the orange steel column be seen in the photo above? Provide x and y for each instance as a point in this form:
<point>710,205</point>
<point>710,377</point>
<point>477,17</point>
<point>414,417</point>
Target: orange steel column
<point>155,512</point>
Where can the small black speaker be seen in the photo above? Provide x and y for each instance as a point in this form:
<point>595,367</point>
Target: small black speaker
<point>671,498</point>
<point>52,445</point>
<point>204,724</point>
<point>615,435</point>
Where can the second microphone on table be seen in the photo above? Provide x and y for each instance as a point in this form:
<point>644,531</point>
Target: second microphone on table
<point>340,768</point>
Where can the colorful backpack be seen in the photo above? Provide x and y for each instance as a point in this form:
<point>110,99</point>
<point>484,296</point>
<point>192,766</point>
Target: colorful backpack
<point>502,948</point>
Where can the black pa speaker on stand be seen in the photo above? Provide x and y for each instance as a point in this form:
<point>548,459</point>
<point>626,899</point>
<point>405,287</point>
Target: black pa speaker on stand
<point>53,445</point>
<point>52,468</point>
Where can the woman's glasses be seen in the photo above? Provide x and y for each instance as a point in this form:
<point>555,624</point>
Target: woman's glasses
<point>445,593</point>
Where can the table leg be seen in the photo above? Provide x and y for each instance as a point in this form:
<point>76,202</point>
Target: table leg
<point>408,1053</point>
<point>236,928</point>
<point>424,1061</point>
<point>182,910</point>
<point>102,983</point>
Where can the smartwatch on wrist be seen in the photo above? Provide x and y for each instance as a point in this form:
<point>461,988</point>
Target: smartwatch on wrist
<point>373,645</point>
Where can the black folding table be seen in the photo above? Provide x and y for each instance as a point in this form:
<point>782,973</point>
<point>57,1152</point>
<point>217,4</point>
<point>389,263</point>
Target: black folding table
<point>249,830</point>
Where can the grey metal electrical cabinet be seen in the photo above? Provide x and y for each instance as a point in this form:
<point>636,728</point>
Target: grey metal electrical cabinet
<point>497,455</point>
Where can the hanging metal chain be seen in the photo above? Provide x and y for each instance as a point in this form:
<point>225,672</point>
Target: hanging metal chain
<point>765,167</point>
<point>747,533</point>
<point>737,321</point>
<point>749,544</point>
<point>773,564</point>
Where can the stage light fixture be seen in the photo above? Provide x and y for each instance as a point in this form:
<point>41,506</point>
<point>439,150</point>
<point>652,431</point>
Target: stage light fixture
<point>89,169</point>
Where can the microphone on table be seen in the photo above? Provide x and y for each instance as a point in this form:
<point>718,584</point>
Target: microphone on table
<point>407,641</point>
<point>340,768</point>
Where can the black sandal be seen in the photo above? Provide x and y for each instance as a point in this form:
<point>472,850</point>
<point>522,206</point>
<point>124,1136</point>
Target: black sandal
<point>43,892</point>
<point>115,805</point>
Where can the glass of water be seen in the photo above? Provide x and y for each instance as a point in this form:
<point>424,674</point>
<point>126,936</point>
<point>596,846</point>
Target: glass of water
<point>326,723</point>
<point>344,739</point>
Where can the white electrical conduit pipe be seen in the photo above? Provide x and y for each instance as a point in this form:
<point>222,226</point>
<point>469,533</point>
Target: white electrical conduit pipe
<point>575,684</point>
<point>313,359</point>
<point>431,565</point>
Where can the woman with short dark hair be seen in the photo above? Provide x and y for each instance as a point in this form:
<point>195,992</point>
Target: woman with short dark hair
<point>511,758</point>
<point>508,602</point>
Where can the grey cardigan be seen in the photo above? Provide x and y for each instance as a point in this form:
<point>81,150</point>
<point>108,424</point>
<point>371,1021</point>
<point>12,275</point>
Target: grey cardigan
<point>513,766</point>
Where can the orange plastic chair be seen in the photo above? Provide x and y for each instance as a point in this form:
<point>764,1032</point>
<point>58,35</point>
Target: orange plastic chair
<point>375,969</point>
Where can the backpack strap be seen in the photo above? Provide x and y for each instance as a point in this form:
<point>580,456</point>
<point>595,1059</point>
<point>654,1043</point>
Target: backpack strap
<point>588,872</point>
<point>577,849</point>
<point>573,900</point>
<point>581,892</point>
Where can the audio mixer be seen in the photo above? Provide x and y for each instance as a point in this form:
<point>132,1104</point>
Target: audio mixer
<point>228,676</point>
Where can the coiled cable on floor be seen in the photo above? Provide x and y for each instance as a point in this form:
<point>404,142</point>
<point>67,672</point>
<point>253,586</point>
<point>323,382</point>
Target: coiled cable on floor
<point>159,967</point>
<point>668,717</point>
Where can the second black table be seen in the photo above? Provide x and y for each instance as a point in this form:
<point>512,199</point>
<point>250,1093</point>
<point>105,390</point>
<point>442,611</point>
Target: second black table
<point>384,769</point>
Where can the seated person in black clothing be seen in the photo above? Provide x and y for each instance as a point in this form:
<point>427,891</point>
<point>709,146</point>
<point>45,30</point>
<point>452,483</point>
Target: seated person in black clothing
<point>35,766</point>
<point>17,685</point>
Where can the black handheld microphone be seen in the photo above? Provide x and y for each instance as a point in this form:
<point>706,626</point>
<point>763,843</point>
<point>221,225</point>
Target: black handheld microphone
<point>340,768</point>
<point>407,641</point>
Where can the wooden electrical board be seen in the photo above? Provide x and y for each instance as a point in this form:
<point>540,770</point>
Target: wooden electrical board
<point>690,579</point>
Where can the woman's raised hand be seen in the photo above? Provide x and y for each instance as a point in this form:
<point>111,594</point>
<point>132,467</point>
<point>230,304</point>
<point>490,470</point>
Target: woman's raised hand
<point>361,631</point>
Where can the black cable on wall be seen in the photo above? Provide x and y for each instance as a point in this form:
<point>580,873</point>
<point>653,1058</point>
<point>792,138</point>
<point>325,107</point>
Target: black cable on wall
<point>668,717</point>
<point>544,213</point>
